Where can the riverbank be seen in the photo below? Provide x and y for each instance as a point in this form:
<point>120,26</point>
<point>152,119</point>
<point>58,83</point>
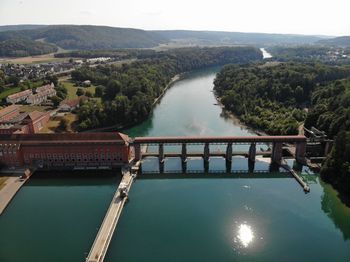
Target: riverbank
<point>130,125</point>
<point>9,189</point>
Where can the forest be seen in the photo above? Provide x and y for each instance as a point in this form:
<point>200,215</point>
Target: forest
<point>279,99</point>
<point>129,91</point>
<point>307,53</point>
<point>273,98</point>
<point>23,47</point>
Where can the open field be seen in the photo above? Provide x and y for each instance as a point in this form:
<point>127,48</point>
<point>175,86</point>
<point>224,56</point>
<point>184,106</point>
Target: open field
<point>73,89</point>
<point>9,91</point>
<point>32,59</point>
<point>52,125</point>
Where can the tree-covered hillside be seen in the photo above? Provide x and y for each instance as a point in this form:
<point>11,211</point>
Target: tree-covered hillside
<point>273,98</point>
<point>88,37</point>
<point>24,47</point>
<point>337,41</point>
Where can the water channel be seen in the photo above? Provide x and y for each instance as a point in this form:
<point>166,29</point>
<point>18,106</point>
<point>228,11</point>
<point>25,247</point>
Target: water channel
<point>263,217</point>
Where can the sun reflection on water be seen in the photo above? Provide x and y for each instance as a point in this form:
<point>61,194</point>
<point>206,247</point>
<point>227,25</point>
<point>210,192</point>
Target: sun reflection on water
<point>245,235</point>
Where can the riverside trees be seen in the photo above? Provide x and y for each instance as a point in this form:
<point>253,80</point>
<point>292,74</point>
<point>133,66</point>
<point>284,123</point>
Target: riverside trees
<point>129,91</point>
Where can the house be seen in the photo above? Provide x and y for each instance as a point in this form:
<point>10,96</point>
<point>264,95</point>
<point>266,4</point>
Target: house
<point>44,88</point>
<point>86,83</point>
<point>19,97</point>
<point>41,97</point>
<point>41,94</point>
<point>69,105</point>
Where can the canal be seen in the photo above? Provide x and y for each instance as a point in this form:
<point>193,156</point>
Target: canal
<point>205,218</point>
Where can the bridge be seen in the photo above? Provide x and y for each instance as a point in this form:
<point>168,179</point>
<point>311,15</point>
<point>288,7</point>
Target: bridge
<point>276,153</point>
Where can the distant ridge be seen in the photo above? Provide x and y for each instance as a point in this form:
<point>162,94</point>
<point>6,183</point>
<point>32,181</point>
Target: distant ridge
<point>343,41</point>
<point>90,37</point>
<point>19,27</point>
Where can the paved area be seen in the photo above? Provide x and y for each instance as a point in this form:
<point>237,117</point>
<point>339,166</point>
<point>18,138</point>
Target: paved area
<point>104,235</point>
<point>13,184</point>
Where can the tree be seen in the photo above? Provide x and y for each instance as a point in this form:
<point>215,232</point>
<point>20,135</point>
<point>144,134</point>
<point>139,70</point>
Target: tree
<point>80,92</point>
<point>63,124</point>
<point>88,93</point>
<point>112,89</point>
<point>99,91</point>
<point>56,100</point>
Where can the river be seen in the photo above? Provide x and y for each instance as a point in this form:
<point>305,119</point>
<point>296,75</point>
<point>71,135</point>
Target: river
<point>265,53</point>
<point>263,217</point>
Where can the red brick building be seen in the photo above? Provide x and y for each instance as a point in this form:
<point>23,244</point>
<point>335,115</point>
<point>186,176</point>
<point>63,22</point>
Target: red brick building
<point>65,151</point>
<point>25,123</point>
<point>9,112</point>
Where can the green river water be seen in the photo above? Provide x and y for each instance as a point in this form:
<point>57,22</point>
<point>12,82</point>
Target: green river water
<point>216,217</point>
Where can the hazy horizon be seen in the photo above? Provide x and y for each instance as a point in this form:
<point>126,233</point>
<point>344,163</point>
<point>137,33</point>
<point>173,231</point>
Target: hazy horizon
<point>327,18</point>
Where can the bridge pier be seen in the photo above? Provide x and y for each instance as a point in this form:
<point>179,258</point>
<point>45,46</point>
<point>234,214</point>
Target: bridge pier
<point>138,154</point>
<point>276,156</point>
<point>161,152</point>
<point>228,166</point>
<point>206,152</point>
<point>184,152</point>
<point>251,166</point>
<point>252,152</point>
<point>228,155</point>
<point>161,166</point>
<point>184,167</point>
<point>300,150</point>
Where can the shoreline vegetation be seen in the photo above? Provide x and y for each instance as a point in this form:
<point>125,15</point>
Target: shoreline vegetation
<point>129,91</point>
<point>156,101</point>
<point>274,99</point>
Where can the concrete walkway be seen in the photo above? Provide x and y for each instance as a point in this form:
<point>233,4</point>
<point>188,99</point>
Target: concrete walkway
<point>12,185</point>
<point>104,235</point>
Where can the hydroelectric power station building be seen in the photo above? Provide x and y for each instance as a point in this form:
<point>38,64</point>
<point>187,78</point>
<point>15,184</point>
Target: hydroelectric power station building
<point>65,151</point>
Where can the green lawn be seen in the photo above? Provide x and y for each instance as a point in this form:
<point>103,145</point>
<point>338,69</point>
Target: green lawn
<point>9,91</point>
<point>73,89</point>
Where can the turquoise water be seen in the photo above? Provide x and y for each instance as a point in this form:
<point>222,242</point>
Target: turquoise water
<point>198,217</point>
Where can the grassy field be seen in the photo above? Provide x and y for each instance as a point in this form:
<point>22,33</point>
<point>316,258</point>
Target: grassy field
<point>2,181</point>
<point>73,89</point>
<point>52,125</point>
<point>9,91</point>
<point>33,59</point>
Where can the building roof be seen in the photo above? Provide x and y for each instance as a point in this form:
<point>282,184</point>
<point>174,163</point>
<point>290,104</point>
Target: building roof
<point>8,110</point>
<point>71,102</point>
<point>62,138</point>
<point>20,94</point>
<point>35,115</point>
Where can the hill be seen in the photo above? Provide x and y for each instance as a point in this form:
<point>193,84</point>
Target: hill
<point>343,41</point>
<point>25,47</point>
<point>19,27</point>
<point>229,38</point>
<point>88,37</point>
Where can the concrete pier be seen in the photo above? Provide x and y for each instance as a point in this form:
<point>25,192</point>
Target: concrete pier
<point>252,152</point>
<point>161,152</point>
<point>305,186</point>
<point>99,248</point>
<point>228,155</point>
<point>184,152</point>
<point>12,185</point>
<point>206,152</point>
<point>276,156</point>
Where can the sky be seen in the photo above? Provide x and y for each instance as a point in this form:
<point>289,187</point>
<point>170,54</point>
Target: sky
<point>316,17</point>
